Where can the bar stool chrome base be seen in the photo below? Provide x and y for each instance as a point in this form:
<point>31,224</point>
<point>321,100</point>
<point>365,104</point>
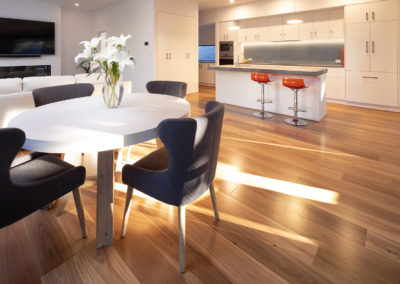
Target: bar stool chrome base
<point>298,122</point>
<point>264,114</point>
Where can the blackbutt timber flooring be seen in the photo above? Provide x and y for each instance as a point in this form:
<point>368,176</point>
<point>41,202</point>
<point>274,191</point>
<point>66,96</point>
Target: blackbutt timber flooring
<point>314,204</point>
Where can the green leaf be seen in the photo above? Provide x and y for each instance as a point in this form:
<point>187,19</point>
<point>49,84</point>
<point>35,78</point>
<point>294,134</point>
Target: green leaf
<point>115,71</point>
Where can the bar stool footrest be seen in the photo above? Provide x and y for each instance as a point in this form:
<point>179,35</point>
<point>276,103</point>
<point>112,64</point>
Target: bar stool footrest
<point>265,102</point>
<point>299,110</point>
<point>298,122</point>
<point>263,115</point>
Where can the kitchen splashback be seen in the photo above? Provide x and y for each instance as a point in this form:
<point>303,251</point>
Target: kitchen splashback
<point>312,52</point>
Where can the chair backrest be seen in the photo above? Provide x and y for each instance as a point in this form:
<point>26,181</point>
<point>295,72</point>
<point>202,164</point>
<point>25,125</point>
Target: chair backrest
<point>193,146</point>
<point>172,88</point>
<point>44,96</point>
<point>11,141</point>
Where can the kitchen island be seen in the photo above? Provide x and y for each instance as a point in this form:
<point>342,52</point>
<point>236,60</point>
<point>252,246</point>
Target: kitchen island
<point>234,86</point>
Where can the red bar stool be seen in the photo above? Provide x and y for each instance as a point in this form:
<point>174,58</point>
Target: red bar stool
<point>262,79</point>
<point>295,85</point>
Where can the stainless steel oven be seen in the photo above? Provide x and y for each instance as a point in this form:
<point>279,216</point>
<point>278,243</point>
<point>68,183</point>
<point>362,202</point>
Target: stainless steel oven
<point>226,53</point>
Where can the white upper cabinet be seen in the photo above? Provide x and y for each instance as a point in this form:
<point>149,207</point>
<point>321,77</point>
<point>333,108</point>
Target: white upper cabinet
<point>306,28</point>
<point>274,29</point>
<point>321,25</point>
<point>243,32</point>
<point>357,13</point>
<point>225,33</point>
<point>372,12</point>
<point>289,31</point>
<point>336,23</point>
<point>383,11</point>
<point>256,30</point>
<point>326,24</point>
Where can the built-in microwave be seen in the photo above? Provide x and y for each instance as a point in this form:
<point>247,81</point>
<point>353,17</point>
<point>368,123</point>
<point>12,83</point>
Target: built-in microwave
<point>226,46</point>
<point>226,52</point>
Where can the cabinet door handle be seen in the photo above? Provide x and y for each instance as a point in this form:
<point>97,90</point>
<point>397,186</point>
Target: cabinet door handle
<point>373,46</point>
<point>373,15</point>
<point>166,56</point>
<point>366,16</point>
<point>366,47</point>
<point>370,77</point>
<point>170,55</point>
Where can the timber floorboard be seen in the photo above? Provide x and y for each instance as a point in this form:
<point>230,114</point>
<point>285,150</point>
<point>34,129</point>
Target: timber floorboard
<point>314,204</point>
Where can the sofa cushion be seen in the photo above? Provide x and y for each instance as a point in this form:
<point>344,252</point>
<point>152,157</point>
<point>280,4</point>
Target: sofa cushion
<point>31,83</point>
<point>91,79</point>
<point>12,105</point>
<point>9,86</point>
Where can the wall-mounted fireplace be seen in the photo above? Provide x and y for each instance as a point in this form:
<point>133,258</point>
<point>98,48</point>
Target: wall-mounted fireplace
<point>24,71</point>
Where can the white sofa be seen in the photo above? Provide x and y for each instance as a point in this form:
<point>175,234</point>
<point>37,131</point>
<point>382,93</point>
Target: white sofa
<point>16,93</point>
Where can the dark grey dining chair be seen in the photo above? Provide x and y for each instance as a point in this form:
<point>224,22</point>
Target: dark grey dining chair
<point>47,95</point>
<point>29,182</point>
<point>183,170</point>
<point>172,88</point>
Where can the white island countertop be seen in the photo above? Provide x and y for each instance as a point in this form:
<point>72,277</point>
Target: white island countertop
<point>273,69</point>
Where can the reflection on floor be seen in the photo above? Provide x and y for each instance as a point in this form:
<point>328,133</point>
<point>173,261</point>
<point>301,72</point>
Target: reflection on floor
<point>319,204</point>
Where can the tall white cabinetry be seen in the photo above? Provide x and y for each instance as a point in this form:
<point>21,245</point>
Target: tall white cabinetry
<point>176,49</point>
<point>372,53</point>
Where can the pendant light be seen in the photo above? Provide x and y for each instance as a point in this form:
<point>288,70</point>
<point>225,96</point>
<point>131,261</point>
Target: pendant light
<point>234,26</point>
<point>294,20</point>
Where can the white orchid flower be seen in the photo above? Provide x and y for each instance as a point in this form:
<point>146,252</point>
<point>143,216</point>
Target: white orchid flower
<point>124,59</point>
<point>105,54</point>
<point>118,41</point>
<point>93,43</point>
<point>87,52</point>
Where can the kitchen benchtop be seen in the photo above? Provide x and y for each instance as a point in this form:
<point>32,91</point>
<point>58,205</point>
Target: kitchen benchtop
<point>273,69</point>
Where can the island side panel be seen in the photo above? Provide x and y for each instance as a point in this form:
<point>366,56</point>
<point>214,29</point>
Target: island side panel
<point>236,88</point>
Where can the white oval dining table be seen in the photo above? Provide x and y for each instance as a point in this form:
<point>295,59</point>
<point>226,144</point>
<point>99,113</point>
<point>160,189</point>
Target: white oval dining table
<point>87,125</point>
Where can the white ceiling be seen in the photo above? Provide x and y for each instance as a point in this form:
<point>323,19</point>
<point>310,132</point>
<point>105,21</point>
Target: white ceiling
<point>211,4</point>
<point>89,5</point>
<point>93,5</point>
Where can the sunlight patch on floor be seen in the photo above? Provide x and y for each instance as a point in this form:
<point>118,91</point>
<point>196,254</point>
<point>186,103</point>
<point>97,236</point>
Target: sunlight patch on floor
<point>231,173</point>
<point>252,225</point>
<point>292,147</point>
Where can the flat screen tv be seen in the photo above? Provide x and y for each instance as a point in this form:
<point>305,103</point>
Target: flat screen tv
<point>26,38</point>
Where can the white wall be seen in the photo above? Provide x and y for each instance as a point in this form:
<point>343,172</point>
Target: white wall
<point>34,10</point>
<point>264,8</point>
<point>77,25</point>
<point>135,17</point>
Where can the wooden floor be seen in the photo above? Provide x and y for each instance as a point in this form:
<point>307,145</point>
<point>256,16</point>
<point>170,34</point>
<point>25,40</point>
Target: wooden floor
<point>319,204</point>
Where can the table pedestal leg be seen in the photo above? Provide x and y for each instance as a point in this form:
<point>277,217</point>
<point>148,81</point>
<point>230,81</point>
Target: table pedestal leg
<point>105,198</point>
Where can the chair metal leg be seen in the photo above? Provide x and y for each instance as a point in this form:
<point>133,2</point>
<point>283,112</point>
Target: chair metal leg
<point>182,232</point>
<point>80,211</point>
<point>263,113</point>
<point>214,201</point>
<point>128,202</point>
<point>295,120</point>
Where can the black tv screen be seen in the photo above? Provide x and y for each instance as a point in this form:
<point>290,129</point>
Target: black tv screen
<point>26,38</point>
